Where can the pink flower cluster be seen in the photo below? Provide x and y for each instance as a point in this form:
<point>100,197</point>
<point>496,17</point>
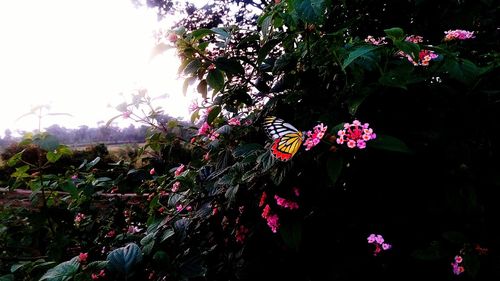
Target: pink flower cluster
<point>355,134</point>
<point>207,130</point>
<point>424,57</point>
<point>458,34</point>
<point>179,170</point>
<point>175,186</point>
<point>314,137</point>
<point>378,241</point>
<point>234,122</point>
<point>414,39</point>
<point>457,268</point>
<point>83,257</point>
<point>241,234</point>
<point>285,203</point>
<point>79,218</point>
<point>101,274</point>
<point>375,41</point>
<point>272,219</point>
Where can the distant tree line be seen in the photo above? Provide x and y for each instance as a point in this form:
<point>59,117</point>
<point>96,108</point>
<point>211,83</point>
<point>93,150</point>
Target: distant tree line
<point>87,135</point>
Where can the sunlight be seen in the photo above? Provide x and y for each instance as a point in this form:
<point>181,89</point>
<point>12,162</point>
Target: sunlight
<point>76,56</point>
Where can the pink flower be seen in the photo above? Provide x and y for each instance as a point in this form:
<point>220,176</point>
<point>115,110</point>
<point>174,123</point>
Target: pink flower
<point>110,234</point>
<point>378,241</point>
<point>83,257</point>
<point>375,41</point>
<point>285,203</point>
<point>266,211</point>
<point>102,273</point>
<point>414,39</point>
<point>296,191</point>
<point>273,222</point>
<point>175,186</point>
<point>355,134</point>
<point>74,177</point>
<point>234,122</point>
<point>179,207</point>
<point>193,106</point>
<point>204,129</point>
<point>458,34</point>
<point>206,156</point>
<point>79,218</point>
<point>262,199</point>
<point>314,137</point>
<point>172,37</point>
<point>458,259</point>
<point>126,114</point>
<point>241,233</point>
<point>152,171</point>
<point>179,170</point>
<point>371,238</point>
<point>189,208</point>
<point>133,229</point>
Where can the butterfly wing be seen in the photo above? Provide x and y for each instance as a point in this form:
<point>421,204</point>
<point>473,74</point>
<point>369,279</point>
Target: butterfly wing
<point>285,147</point>
<point>287,139</point>
<point>277,128</point>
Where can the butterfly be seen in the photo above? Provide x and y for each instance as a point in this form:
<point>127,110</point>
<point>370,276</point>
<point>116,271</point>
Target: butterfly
<point>287,139</point>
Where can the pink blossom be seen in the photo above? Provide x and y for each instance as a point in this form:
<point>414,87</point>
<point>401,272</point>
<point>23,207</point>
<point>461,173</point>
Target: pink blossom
<point>152,171</point>
<point>179,170</point>
<point>234,122</point>
<point>204,129</point>
<point>133,229</point>
<point>262,199</point>
<point>314,137</point>
<point>296,191</point>
<point>179,207</point>
<point>414,39</point>
<point>371,238</point>
<point>378,241</point>
<point>241,233</point>
<point>375,41</point>
<point>355,134</point>
<point>83,257</point>
<point>172,37</point>
<point>458,259</point>
<point>266,211</point>
<point>285,203</point>
<point>79,218</point>
<point>273,222</point>
<point>193,106</point>
<point>74,177</point>
<point>102,273</point>
<point>458,34</point>
<point>126,114</point>
<point>386,246</point>
<point>189,208</point>
<point>110,234</point>
<point>175,186</point>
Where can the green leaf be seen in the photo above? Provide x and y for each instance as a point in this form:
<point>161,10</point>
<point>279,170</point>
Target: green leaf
<point>53,156</point>
<point>63,271</point>
<point>167,234</point>
<point>200,33</point>
<point>21,172</point>
<point>46,142</point>
<point>97,265</point>
<point>266,48</point>
<point>358,52</point>
<point>292,234</point>
<point>214,112</point>
<point>389,143</point>
<point>70,187</point>
<point>15,267</point>
<point>311,11</point>
<point>221,32</point>
<point>7,277</point>
<point>202,88</point>
<point>246,149</point>
<point>215,79</point>
<point>395,33</point>
<point>92,163</point>
<point>231,66</point>
<point>123,260</point>
<point>408,48</point>
<point>334,165</point>
<point>15,158</point>
<point>462,70</point>
<point>192,67</point>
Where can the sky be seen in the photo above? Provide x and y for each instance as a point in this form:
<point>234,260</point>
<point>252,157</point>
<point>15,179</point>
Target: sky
<point>76,57</point>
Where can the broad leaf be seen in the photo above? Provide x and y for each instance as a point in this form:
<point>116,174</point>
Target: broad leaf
<point>231,66</point>
<point>311,11</point>
<point>395,33</point>
<point>214,112</point>
<point>334,166</point>
<point>63,271</point>
<point>215,79</point>
<point>358,52</point>
<point>123,260</point>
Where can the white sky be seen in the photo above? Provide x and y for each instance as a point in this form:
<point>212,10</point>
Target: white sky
<point>77,56</point>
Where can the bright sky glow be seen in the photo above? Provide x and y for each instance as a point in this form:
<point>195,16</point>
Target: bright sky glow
<point>77,56</point>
